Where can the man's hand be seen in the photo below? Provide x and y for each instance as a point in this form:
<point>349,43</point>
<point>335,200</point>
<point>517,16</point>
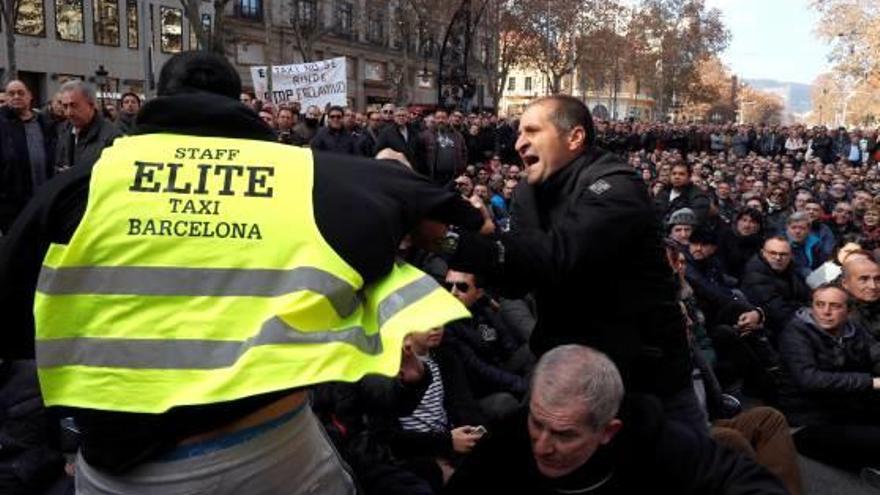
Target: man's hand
<point>749,321</point>
<point>390,154</point>
<point>464,438</point>
<point>488,225</point>
<point>877,383</point>
<point>412,370</point>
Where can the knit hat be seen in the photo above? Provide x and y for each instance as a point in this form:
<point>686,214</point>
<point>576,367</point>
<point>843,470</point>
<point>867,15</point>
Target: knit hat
<point>684,216</point>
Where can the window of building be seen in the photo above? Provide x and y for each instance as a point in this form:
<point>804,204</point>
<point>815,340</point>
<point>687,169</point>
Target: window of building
<point>249,9</point>
<point>307,12</point>
<point>30,18</point>
<point>511,83</point>
<point>528,84</point>
<point>172,29</point>
<point>376,24</point>
<point>344,11</point>
<point>69,20</point>
<point>106,13</point>
<point>131,17</point>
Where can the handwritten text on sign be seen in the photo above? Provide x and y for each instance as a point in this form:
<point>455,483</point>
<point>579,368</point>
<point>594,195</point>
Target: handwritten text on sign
<point>312,83</point>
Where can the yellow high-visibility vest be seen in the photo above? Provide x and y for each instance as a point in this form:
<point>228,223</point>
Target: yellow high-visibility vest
<point>198,275</point>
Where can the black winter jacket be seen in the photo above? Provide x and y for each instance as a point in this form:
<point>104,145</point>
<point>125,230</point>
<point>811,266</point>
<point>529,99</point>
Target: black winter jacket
<point>336,141</point>
<point>86,150</point>
<point>691,197</point>
<point>587,243</point>
<point>828,379</point>
<point>16,181</point>
<point>778,294</point>
<point>649,455</point>
<point>390,137</point>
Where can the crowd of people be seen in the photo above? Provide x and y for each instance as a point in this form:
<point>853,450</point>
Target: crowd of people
<point>600,355</point>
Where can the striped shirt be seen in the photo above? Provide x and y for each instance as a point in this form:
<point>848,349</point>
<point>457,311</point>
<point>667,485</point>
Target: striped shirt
<point>429,415</point>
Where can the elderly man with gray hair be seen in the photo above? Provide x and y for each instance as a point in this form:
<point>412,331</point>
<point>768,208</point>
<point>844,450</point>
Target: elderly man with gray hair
<point>578,435</point>
<point>86,133</point>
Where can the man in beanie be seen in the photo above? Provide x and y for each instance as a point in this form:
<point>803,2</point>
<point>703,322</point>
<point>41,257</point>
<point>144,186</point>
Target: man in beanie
<point>197,280</point>
<point>680,226</point>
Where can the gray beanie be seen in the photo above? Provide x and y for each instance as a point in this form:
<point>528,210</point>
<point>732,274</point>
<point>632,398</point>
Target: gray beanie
<point>684,216</point>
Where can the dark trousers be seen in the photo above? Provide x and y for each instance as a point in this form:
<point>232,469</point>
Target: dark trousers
<point>849,446</point>
<point>745,358</point>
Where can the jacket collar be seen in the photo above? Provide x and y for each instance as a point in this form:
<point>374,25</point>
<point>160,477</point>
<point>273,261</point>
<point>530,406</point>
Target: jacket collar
<point>202,114</point>
<point>806,316</point>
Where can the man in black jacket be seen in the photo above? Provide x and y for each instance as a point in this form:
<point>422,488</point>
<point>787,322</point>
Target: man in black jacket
<point>771,282</point>
<point>334,137</point>
<point>577,437</point>
<point>198,97</point>
<point>833,383</point>
<point>682,194</point>
<point>86,133</point>
<point>27,152</point>
<point>585,239</point>
<point>399,136</point>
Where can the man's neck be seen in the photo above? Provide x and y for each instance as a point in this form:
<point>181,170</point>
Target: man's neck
<point>25,114</point>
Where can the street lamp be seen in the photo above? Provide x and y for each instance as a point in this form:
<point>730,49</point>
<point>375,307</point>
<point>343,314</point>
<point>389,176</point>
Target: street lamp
<point>101,80</point>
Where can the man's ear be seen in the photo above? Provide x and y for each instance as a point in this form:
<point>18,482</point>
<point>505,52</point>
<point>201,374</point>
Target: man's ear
<point>610,430</point>
<point>577,138</point>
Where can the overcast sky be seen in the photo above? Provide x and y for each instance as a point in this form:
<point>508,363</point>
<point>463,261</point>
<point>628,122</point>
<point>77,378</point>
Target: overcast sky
<point>773,39</point>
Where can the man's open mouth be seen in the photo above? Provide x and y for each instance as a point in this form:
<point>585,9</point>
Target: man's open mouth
<point>530,160</point>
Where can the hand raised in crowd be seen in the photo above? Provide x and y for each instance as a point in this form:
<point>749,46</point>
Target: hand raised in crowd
<point>411,368</point>
<point>488,225</point>
<point>464,438</point>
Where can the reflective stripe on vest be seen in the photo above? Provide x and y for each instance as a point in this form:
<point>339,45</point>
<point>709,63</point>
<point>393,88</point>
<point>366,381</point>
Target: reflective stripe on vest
<point>208,354</point>
<point>199,278</point>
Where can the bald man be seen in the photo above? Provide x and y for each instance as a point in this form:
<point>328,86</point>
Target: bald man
<point>861,278</point>
<point>26,154</point>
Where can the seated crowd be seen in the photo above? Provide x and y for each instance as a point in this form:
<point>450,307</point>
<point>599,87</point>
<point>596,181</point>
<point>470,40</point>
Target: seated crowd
<point>772,236</point>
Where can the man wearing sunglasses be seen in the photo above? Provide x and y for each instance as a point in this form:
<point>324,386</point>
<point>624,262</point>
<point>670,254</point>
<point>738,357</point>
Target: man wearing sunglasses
<point>334,137</point>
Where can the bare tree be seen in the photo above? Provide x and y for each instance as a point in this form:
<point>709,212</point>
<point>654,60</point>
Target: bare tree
<point>505,46</point>
<point>308,25</point>
<point>213,40</point>
<point>558,28</point>
<point>7,12</point>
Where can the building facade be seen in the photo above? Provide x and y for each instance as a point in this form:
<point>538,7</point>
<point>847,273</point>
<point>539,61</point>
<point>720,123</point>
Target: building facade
<point>121,44</point>
<point>526,84</point>
<point>391,56</point>
<point>118,44</point>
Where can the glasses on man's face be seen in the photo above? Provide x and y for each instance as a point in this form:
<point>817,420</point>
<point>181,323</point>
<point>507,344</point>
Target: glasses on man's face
<point>459,286</point>
<point>335,116</point>
<point>387,112</point>
<point>776,254</point>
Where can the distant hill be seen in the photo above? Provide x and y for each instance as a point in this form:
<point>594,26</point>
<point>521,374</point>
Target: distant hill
<point>796,95</point>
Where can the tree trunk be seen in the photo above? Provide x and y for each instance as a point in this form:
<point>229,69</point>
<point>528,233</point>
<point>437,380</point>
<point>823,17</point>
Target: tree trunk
<point>218,35</point>
<point>8,14</point>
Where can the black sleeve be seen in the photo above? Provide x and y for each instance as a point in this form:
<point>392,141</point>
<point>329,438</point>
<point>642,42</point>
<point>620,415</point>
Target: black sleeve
<point>51,217</point>
<point>762,292</point>
<point>800,359</point>
<point>590,233</point>
<point>364,207</point>
<point>699,465</point>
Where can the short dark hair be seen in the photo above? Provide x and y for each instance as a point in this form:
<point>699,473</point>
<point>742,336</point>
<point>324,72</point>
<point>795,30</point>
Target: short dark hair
<point>569,112</point>
<point>199,71</point>
<point>336,108</point>
<point>133,95</point>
